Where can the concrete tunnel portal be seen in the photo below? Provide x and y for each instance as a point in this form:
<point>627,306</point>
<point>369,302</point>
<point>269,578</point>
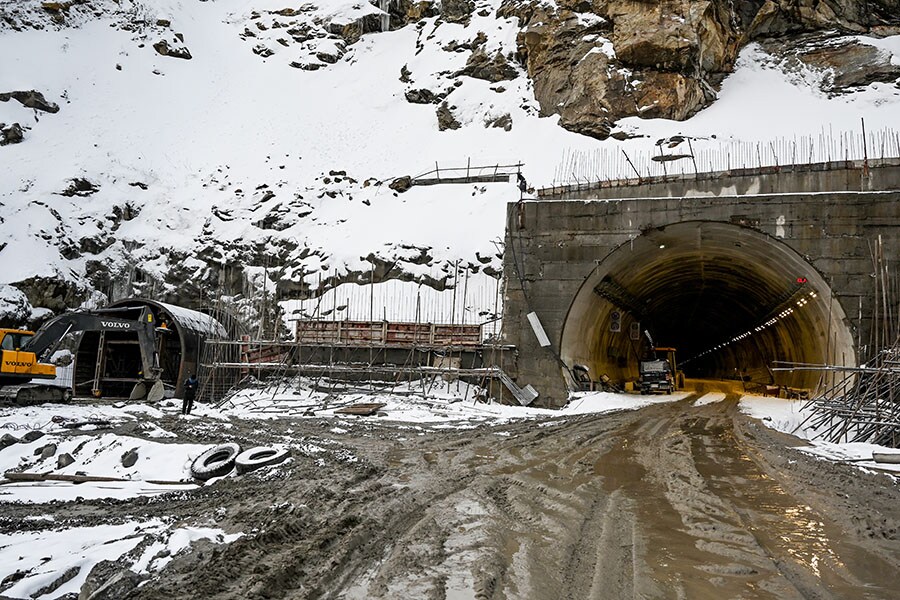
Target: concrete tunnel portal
<point>731,300</point>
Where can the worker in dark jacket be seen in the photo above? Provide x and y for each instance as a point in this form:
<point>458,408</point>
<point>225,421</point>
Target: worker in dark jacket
<point>190,392</point>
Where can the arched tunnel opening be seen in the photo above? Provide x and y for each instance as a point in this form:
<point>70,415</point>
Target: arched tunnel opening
<point>732,301</point>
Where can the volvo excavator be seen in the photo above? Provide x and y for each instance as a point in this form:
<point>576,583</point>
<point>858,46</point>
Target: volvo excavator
<point>26,354</point>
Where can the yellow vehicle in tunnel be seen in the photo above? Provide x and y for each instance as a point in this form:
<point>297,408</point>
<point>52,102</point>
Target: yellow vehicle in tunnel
<point>658,375</point>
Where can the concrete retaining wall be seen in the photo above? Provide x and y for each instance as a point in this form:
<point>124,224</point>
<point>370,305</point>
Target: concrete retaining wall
<point>552,247</point>
<point>876,175</point>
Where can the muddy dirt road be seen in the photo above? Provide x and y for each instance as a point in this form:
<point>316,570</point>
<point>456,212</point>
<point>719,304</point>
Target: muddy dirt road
<point>671,501</point>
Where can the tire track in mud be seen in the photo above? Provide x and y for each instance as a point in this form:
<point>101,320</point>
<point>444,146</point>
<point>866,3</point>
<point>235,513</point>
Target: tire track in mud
<point>741,527</point>
<point>663,523</point>
<point>666,502</point>
<point>700,548</point>
<point>808,551</point>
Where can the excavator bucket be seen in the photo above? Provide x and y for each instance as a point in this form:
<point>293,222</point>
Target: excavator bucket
<point>139,392</point>
<point>147,391</point>
<point>157,391</point>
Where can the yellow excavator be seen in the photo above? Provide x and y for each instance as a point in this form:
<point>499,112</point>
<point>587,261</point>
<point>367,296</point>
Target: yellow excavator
<point>25,354</point>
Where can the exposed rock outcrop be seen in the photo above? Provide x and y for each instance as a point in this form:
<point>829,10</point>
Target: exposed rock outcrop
<point>13,134</point>
<point>176,50</point>
<point>14,306</point>
<point>457,11</point>
<point>842,63</point>
<point>79,186</point>
<point>53,293</point>
<point>493,69</point>
<point>109,580</point>
<point>777,17</point>
<point>594,63</point>
<point>504,122</point>
<point>31,99</point>
<point>446,119</point>
<point>423,96</point>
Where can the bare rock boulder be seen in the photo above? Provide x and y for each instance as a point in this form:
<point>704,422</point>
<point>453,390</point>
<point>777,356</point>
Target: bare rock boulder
<point>130,458</point>
<point>176,50</point>
<point>31,99</point>
<point>401,184</point>
<point>446,119</point>
<point>32,436</point>
<point>14,134</point>
<point>46,451</point>
<point>64,460</point>
<point>844,63</point>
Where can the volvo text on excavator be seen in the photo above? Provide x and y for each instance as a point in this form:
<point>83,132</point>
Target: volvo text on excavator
<point>25,354</point>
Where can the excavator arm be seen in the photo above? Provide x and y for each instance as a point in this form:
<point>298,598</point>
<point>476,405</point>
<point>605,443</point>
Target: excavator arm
<point>36,350</point>
<point>47,339</point>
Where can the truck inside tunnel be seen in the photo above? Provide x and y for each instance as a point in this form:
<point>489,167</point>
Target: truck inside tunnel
<point>734,301</point>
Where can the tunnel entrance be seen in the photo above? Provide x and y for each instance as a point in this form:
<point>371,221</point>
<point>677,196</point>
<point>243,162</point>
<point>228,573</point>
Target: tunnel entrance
<point>108,363</point>
<point>732,300</point>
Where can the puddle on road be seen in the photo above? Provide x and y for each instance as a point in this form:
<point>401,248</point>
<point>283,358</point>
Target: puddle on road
<point>782,524</point>
<point>672,561</point>
<point>772,546</point>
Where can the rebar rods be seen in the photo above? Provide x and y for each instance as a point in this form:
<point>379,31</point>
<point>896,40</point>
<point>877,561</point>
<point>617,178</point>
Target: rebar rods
<point>864,406</point>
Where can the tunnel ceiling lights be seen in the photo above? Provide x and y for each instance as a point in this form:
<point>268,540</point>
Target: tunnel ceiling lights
<point>803,301</point>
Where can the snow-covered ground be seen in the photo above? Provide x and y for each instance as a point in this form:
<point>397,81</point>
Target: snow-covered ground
<point>420,405</point>
<point>788,416</point>
<point>42,556</point>
<point>191,154</point>
<point>147,546</point>
<point>99,454</point>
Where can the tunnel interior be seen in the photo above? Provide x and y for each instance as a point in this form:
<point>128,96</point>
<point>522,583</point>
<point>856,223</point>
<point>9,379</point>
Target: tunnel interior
<point>731,300</point>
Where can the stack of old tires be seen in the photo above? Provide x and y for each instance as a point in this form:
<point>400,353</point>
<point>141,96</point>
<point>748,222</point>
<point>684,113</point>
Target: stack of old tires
<point>220,460</point>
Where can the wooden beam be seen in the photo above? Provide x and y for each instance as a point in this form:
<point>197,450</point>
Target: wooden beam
<point>15,477</point>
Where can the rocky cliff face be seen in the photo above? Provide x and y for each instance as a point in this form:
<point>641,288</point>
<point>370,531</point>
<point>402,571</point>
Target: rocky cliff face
<point>593,63</point>
<point>483,69</point>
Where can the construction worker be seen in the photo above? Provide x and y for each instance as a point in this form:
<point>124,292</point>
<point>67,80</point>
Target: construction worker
<point>190,392</point>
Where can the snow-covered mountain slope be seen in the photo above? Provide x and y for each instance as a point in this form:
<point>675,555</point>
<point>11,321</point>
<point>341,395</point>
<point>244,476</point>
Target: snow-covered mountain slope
<point>199,145</point>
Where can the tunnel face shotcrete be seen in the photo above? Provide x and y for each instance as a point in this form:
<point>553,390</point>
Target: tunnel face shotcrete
<point>732,300</point>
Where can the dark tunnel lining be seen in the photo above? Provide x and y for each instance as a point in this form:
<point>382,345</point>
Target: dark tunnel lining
<point>707,289</point>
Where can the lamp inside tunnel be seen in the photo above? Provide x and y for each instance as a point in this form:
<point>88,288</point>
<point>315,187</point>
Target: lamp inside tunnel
<point>731,300</point>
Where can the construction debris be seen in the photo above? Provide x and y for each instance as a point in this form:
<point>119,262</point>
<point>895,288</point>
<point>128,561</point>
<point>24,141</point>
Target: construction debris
<point>363,409</point>
<point>892,458</point>
<point>864,404</point>
<point>14,477</point>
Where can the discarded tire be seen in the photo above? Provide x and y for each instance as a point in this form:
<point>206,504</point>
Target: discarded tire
<point>215,462</point>
<point>261,456</point>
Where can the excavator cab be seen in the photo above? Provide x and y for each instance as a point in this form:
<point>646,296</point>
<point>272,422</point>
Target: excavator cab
<point>14,339</point>
<point>18,365</point>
